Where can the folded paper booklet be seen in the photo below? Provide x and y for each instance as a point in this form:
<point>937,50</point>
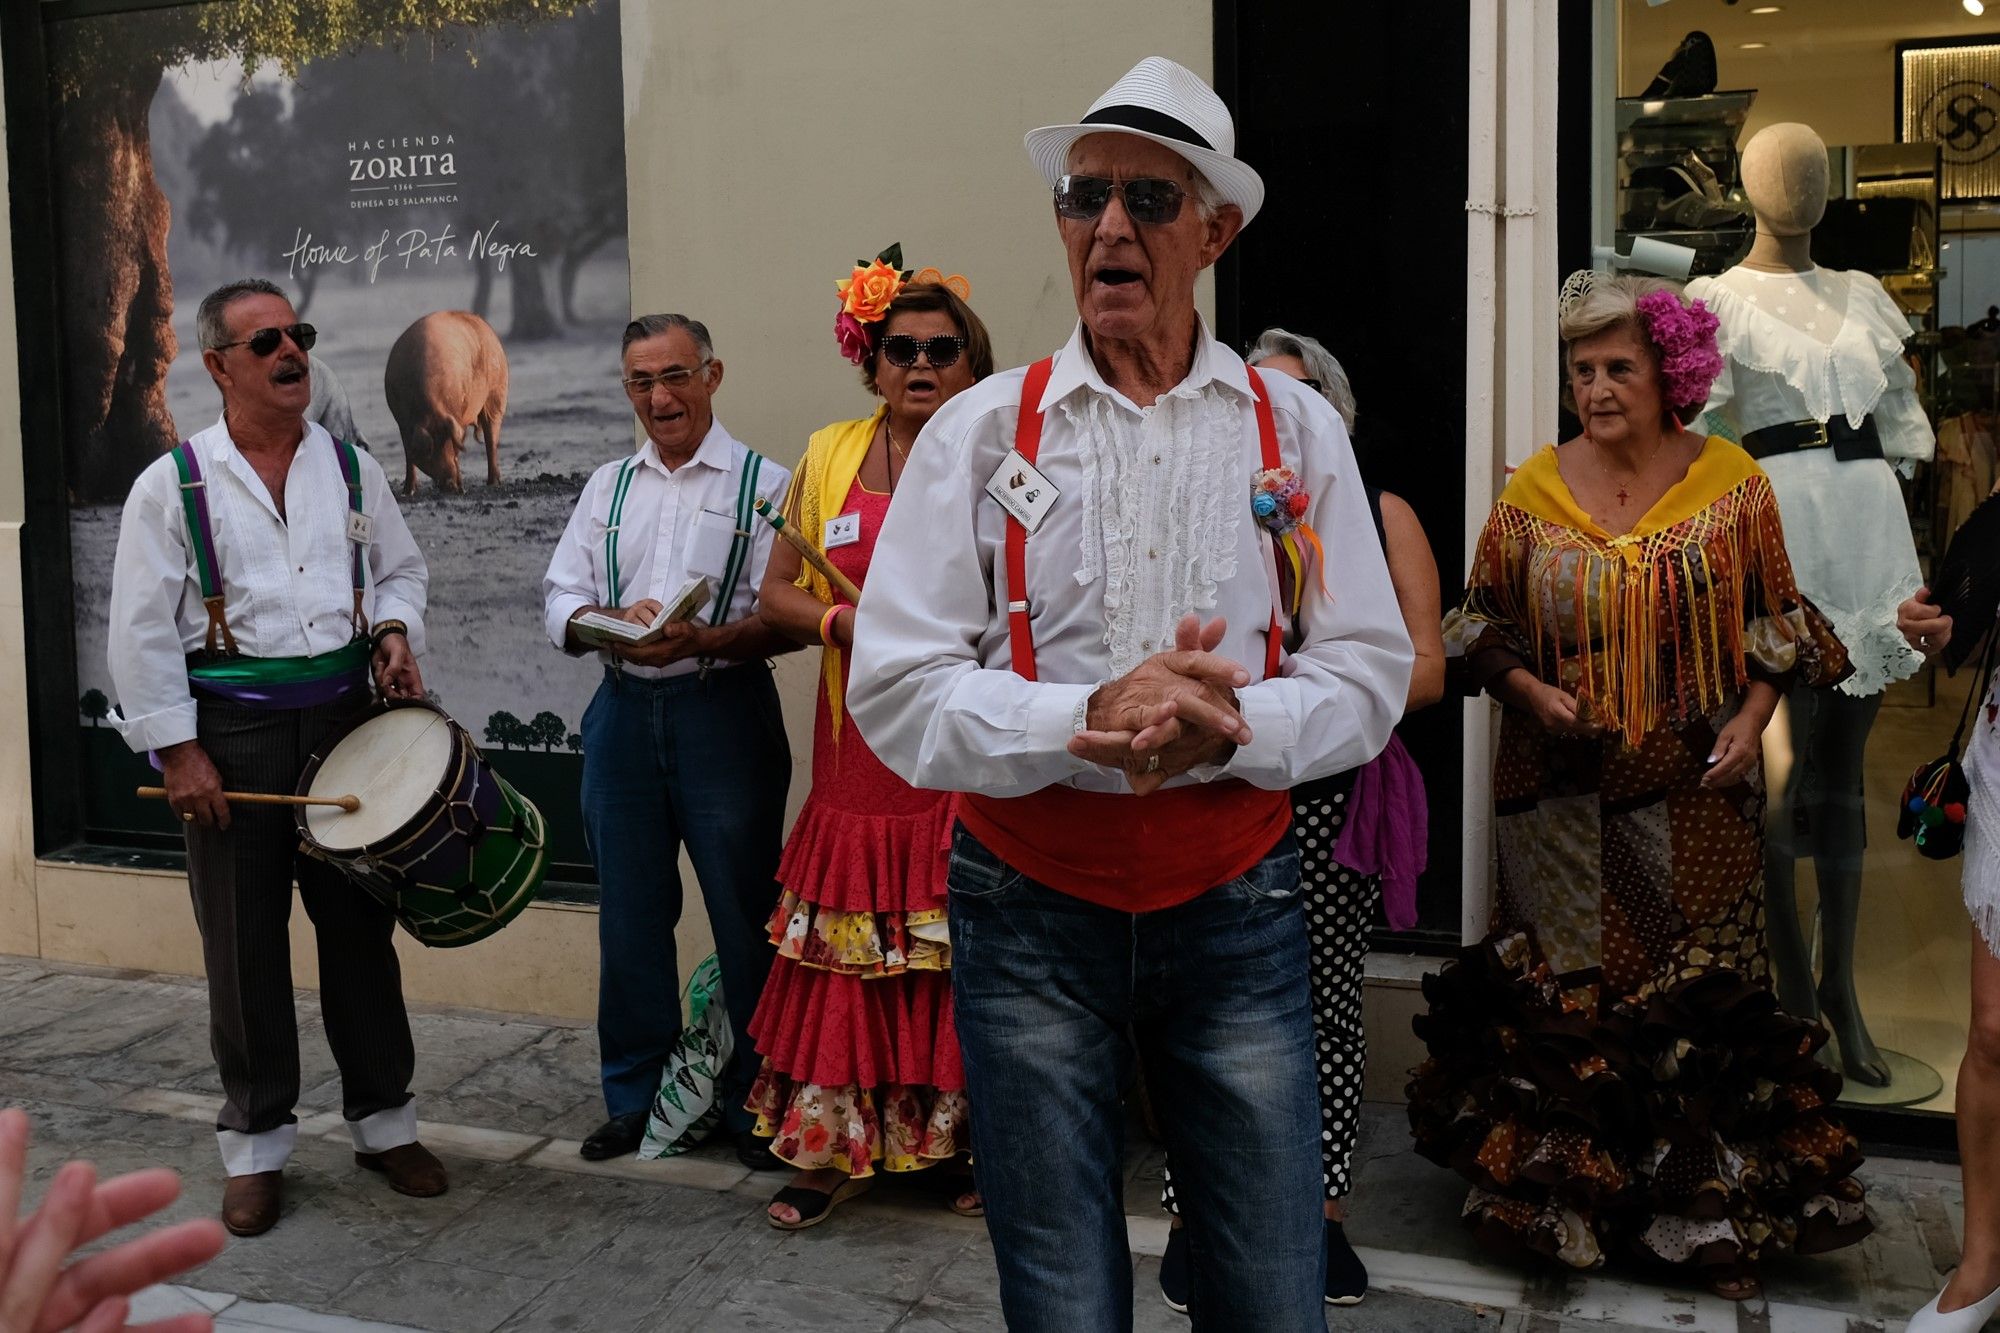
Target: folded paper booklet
<point>598,628</point>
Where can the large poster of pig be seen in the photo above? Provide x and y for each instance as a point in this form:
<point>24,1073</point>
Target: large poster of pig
<point>441,190</point>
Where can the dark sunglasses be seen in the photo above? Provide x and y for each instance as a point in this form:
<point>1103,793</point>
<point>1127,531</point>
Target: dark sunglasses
<point>266,341</point>
<point>900,349</point>
<point>1313,384</point>
<point>1148,199</point>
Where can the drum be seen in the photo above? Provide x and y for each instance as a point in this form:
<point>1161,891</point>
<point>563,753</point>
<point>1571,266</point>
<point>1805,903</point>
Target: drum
<point>440,838</point>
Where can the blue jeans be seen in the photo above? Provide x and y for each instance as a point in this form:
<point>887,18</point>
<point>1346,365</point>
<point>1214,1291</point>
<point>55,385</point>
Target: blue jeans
<point>1053,995</point>
<point>667,762</point>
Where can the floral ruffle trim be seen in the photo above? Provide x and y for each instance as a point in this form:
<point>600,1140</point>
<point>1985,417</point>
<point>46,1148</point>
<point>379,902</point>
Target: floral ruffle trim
<point>855,1131</point>
<point>864,944</point>
<point>1689,1123</point>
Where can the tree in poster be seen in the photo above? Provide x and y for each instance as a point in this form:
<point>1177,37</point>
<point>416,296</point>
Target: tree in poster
<point>94,705</point>
<point>547,730</point>
<point>118,339</point>
<point>505,730</point>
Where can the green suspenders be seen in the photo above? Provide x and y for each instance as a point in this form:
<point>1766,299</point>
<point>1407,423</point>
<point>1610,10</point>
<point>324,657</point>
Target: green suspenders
<point>739,549</point>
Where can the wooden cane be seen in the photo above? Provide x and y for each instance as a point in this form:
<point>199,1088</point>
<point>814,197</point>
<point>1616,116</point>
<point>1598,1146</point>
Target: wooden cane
<point>807,553</point>
<point>347,803</point>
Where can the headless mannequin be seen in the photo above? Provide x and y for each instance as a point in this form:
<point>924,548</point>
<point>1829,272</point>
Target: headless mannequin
<point>1785,178</point>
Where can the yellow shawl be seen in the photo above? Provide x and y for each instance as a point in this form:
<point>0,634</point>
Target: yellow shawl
<point>1656,623</point>
<point>819,487</point>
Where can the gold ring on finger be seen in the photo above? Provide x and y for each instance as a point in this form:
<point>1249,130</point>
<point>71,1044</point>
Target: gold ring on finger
<point>1153,764</point>
<point>187,816</point>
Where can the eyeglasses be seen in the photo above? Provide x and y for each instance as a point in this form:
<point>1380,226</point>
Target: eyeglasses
<point>900,349</point>
<point>1150,200</point>
<point>1313,384</point>
<point>266,341</point>
<point>675,377</point>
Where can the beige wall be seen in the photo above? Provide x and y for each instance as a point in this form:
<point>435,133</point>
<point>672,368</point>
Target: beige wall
<point>770,144</point>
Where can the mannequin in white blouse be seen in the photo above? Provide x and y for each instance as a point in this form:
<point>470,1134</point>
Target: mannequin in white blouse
<point>1812,345</point>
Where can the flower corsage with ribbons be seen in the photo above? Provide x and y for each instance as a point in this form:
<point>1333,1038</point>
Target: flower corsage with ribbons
<point>867,293</point>
<point>1279,499</point>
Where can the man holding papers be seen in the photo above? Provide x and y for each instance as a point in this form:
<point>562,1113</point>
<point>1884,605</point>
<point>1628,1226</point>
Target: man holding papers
<point>684,742</point>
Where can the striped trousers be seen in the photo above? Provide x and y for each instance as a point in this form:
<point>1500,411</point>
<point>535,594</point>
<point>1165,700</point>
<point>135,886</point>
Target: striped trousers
<point>241,881</point>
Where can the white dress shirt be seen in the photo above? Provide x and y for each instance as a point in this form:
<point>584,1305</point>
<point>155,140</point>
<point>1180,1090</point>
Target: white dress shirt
<point>656,530</point>
<point>287,583</point>
<point>932,685</point>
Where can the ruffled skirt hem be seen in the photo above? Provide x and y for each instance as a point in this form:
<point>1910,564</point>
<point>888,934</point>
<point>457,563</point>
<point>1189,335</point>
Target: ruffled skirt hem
<point>898,1127</point>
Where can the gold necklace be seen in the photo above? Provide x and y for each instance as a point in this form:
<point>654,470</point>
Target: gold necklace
<point>1623,494</point>
<point>889,433</point>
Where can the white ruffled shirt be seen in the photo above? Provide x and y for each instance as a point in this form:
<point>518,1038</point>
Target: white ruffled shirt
<point>1151,521</point>
<point>1814,346</point>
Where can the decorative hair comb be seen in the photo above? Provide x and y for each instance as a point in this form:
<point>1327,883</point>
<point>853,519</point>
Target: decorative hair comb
<point>1575,287</point>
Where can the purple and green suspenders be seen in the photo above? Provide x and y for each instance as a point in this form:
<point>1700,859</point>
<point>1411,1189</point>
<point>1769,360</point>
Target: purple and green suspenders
<point>270,682</point>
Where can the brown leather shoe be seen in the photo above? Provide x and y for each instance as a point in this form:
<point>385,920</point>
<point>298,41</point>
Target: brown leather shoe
<point>411,1169</point>
<point>250,1204</point>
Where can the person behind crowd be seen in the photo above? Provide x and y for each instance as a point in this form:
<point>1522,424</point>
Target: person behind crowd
<point>684,743</point>
<point>1123,871</point>
<point>861,1062</point>
<point>1353,830</point>
<point>263,573</point>
<point>43,1287</point>
<point>1972,1295</point>
<point>1632,607</point>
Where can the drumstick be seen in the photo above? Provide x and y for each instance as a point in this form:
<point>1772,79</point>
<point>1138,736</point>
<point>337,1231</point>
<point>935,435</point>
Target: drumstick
<point>347,803</point>
<point>807,553</point>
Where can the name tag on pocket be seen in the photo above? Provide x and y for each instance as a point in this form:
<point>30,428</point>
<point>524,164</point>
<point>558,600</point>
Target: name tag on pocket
<point>708,546</point>
<point>842,531</point>
<point>1022,491</point>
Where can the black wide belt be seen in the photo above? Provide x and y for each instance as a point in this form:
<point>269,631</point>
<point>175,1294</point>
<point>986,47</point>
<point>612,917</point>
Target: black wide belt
<point>1847,442</point>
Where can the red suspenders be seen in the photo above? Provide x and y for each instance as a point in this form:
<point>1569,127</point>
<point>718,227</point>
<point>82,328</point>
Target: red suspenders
<point>1028,442</point>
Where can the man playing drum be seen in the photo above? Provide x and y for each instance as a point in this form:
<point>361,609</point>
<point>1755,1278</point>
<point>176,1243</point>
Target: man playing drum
<point>684,743</point>
<point>252,562</point>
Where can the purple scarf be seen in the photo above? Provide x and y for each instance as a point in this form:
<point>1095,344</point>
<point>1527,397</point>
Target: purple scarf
<point>1387,832</point>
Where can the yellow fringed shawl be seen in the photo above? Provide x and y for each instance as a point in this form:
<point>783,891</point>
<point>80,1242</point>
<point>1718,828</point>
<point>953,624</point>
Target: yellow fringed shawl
<point>1655,625</point>
<point>833,460</point>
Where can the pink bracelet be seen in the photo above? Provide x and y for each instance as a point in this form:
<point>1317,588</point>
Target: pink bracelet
<point>826,626</point>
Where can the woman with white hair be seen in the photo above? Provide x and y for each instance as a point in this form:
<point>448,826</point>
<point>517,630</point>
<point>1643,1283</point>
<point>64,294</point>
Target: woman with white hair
<point>1609,1068</point>
<point>1362,839</point>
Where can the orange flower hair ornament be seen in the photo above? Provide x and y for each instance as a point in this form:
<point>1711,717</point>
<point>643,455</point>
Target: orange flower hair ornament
<point>867,293</point>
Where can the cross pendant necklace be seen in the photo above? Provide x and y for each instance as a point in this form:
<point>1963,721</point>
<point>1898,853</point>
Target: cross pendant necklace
<point>1623,496</point>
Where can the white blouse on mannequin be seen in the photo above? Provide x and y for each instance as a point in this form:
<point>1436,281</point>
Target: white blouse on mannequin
<point>1813,346</point>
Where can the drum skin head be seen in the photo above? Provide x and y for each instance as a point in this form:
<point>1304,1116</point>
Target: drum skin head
<point>394,763</point>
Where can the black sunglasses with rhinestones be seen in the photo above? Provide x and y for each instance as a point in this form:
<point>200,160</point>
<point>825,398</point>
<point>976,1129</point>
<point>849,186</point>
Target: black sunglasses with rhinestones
<point>1148,199</point>
<point>266,341</point>
<point>900,349</point>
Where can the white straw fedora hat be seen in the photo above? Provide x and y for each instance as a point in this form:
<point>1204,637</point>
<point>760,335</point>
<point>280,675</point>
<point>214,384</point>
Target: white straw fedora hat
<point>1169,104</point>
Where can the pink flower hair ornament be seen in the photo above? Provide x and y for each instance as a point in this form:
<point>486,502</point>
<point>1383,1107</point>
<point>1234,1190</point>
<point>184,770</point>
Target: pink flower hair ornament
<point>1684,336</point>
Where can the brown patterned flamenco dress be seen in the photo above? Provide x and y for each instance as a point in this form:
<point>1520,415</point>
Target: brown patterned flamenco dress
<point>861,1063</point>
<point>1610,1069</point>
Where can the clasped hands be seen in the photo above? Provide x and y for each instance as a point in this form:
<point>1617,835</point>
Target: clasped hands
<point>1175,711</point>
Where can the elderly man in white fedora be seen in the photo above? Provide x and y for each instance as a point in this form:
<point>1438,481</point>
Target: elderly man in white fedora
<point>1137,599</point>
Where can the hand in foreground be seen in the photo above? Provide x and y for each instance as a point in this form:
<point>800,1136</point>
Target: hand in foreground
<point>40,1292</point>
<point>1737,746</point>
<point>1173,712</point>
<point>396,673</point>
<point>193,787</point>
<point>1926,627</point>
<point>681,639</point>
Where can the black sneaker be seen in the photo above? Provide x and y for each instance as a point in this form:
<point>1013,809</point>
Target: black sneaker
<point>1346,1278</point>
<point>1174,1271</point>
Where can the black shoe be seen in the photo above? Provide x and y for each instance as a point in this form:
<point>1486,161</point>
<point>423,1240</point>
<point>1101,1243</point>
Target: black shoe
<point>1174,1271</point>
<point>619,1136</point>
<point>755,1152</point>
<point>1346,1277</point>
<point>1689,71</point>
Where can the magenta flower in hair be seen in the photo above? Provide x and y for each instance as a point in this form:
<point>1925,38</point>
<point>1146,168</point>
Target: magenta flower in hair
<point>1685,338</point>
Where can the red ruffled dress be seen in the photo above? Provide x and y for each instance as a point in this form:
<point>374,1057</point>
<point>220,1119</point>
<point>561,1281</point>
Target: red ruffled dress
<point>861,1062</point>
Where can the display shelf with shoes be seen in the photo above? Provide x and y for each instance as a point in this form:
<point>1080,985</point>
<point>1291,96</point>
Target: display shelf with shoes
<point>1678,175</point>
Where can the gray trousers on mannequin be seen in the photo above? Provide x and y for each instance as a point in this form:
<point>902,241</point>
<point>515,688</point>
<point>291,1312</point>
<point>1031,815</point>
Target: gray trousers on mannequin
<point>1821,814</point>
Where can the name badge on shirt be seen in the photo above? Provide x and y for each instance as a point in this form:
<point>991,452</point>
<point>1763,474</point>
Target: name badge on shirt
<point>843,531</point>
<point>708,547</point>
<point>360,528</point>
<point>1022,491</point>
